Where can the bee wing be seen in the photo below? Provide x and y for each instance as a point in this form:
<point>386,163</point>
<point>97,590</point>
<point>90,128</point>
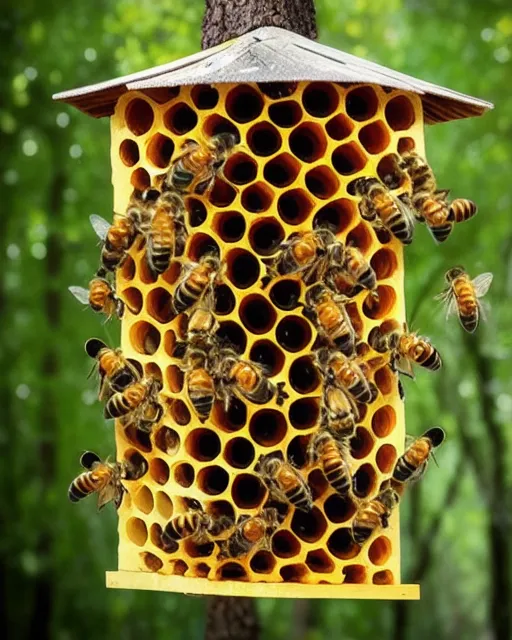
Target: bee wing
<point>88,458</point>
<point>100,226</point>
<point>482,283</point>
<point>403,365</point>
<point>81,294</point>
<point>447,297</point>
<point>366,209</point>
<point>106,495</point>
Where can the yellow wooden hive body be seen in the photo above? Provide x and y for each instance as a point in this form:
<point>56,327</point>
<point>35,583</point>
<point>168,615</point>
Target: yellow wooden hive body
<point>298,153</point>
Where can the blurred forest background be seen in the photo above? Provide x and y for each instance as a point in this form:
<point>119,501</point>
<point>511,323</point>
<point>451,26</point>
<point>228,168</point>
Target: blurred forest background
<point>55,171</point>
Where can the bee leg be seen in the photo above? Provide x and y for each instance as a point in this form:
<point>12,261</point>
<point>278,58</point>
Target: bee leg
<point>281,393</point>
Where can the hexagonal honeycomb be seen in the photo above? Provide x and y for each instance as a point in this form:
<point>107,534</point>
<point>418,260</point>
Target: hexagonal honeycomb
<point>301,145</point>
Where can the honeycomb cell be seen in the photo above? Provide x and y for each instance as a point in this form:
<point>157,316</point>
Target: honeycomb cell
<point>247,491</point>
<point>180,118</point>
<point>277,90</point>
<point>308,142</point>
<point>139,464</point>
<point>224,300</point>
<point>339,508</point>
<point>169,342</point>
<point>160,150</point>
<point>184,474</point>
<point>212,480</point>
<point>217,508</point>
<point>198,550</point>
<point>222,194</point>
<point>348,159</point>
<point>384,421</point>
<point>138,438</point>
<point>233,334</point>
<point>361,443</point>
<point>196,212</point>
<point>244,103</point>
<point>158,305</point>
<point>317,483</point>
<point>129,152</point>
<point>303,375</point>
<point>294,206</point>
<point>179,568</point>
<point>386,458</point>
<point>132,299</point>
<point>383,577</point>
<point>128,268</point>
<point>322,182</point>
<point>231,420</point>
<point>387,173</point>
<point>364,481</point>
<point>175,377</point>
<point>380,550</point>
<point>268,427</point>
<point>159,470</point>
<point>257,314</point>
<point>285,544</point>
<point>216,124</point>
<point>231,571</point>
<point>285,114</point>
<point>361,103</point>
<point>360,237</point>
<point>381,305</point>
<point>399,113</point>
<point>319,562</point>
<point>294,573</point>
<point>310,526</point>
<point>155,535</point>
<point>293,333</point>
<point>320,99</point>
<point>297,451</point>
<point>145,338</point>
<point>180,412</point>
<point>341,544</point>
<point>202,244</point>
<point>266,236</point>
<point>405,144</point>
<point>151,562</point>
<point>202,570</point>
<point>242,268</point>
<point>230,225</point>
<point>257,198</point>
<point>204,96</point>
<point>161,95</point>
<point>282,170</point>
<point>337,215</point>
<point>263,562</point>
<point>140,179</point>
<point>136,531</point>
<point>374,137</point>
<point>239,453</point>
<point>285,294</point>
<point>164,505</point>
<point>384,263</point>
<point>143,500</point>
<point>139,116</point>
<point>240,169</point>
<point>339,127</point>
<point>304,413</point>
<point>385,380</point>
<point>354,574</point>
<point>203,444</point>
<point>264,139</point>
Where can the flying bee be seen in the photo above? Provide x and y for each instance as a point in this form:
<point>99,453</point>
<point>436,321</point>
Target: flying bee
<point>196,524</point>
<point>285,483</point>
<point>339,413</point>
<point>100,296</point>
<point>383,209</point>
<point>244,378</point>
<point>332,457</point>
<point>199,383</point>
<point>196,283</point>
<point>194,170</point>
<point>138,404</point>
<point>463,296</point>
<point>101,477</point>
<point>166,235</point>
<point>412,464</point>
<point>306,252</point>
<point>374,514</point>
<point>327,312</point>
<point>347,374</point>
<point>405,349</point>
<point>251,532</point>
<point>430,203</point>
<point>115,371</point>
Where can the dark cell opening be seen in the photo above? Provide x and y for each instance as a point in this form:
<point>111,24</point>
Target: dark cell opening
<point>138,438</point>
<point>196,212</point>
<point>336,216</point>
<point>268,427</point>
<point>257,198</point>
<point>129,152</point>
<point>361,103</point>
<point>276,90</point>
<point>239,453</point>
<point>158,305</point>
<point>304,376</point>
<point>281,171</point>
<point>145,338</point>
<point>361,443</point>
<point>243,103</point>
<point>248,492</point>
<point>348,159</point>
<point>320,99</point>
<point>339,127</point>
<point>341,544</point>
<point>296,452</point>
<point>232,420</point>
<point>263,562</point>
<point>265,236</point>
<point>203,444</point>
<point>308,142</point>
<point>139,465</point>
<point>162,94</point>
<point>180,412</point>
<point>133,300</point>
<point>294,206</point>
<point>167,440</point>
<point>243,268</point>
<point>322,182</point>
<point>285,544</point>
<point>224,300</point>
<point>222,194</point>
<point>268,355</point>
<point>230,226</point>
<point>285,114</point>
<point>160,150</point>
<point>309,527</point>
<point>364,481</point>
<point>140,179</point>
<point>304,413</point>
<point>180,119</point>
<point>159,470</point>
<point>399,113</point>
<point>257,314</point>
<point>374,137</point>
<point>285,294</point>
<point>338,508</point>
<point>293,333</point>
<point>139,116</point>
<point>264,139</point>
<point>184,474</point>
<point>213,480</point>
<point>319,562</point>
<point>216,124</point>
<point>232,571</point>
<point>354,574</point>
<point>205,96</point>
<point>201,245</point>
<point>233,334</point>
<point>240,169</point>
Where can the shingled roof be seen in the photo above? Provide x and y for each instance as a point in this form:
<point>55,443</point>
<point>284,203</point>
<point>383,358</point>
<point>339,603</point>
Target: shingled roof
<point>270,54</point>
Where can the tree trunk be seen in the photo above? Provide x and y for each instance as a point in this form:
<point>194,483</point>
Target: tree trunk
<point>230,618</point>
<point>226,19</point>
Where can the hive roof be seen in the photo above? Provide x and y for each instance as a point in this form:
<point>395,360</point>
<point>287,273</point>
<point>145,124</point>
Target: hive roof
<point>271,54</point>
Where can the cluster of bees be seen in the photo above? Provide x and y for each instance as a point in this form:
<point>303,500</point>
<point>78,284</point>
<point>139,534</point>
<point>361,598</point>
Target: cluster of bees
<point>213,370</point>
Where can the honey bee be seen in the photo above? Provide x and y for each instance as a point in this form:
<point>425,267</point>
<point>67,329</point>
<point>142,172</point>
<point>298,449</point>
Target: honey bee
<point>199,383</point>
<point>100,296</point>
<point>373,514</point>
<point>346,373</point>
<point>285,483</point>
<point>103,478</point>
<point>332,457</point>
<point>115,371</point>
<point>412,464</point>
<point>327,312</point>
<point>196,524</point>
<point>430,203</point>
<point>166,234</point>
<point>339,413</point>
<point>196,283</point>
<point>201,331</point>
<point>251,532</point>
<point>354,271</point>
<point>463,294</point>
<point>383,209</point>
<point>138,403</point>
<point>405,349</point>
<point>246,379</point>
<point>194,170</point>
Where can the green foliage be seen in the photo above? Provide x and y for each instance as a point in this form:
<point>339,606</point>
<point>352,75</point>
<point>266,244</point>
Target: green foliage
<point>54,170</point>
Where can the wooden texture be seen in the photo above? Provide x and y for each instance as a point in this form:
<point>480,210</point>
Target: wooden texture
<point>341,148</point>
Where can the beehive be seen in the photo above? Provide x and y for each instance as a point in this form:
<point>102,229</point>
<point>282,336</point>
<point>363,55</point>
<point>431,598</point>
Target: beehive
<point>301,144</point>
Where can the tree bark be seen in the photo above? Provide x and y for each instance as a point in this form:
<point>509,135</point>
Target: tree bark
<point>230,618</point>
<point>226,19</point>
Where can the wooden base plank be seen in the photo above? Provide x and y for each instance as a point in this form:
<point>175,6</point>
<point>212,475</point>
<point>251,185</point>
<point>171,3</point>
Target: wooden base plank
<point>202,586</point>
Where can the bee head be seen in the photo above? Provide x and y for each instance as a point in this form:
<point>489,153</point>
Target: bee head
<point>453,273</point>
